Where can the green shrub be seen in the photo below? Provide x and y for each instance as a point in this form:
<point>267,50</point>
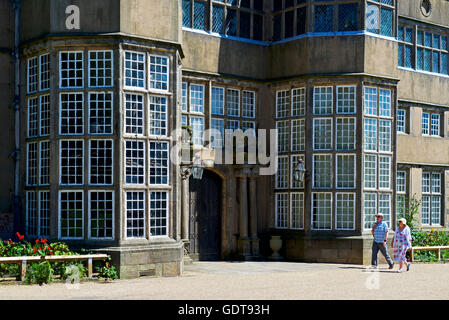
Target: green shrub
<point>74,270</point>
<point>39,273</point>
<point>108,272</point>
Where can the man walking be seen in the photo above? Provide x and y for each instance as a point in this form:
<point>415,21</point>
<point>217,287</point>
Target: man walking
<point>380,233</point>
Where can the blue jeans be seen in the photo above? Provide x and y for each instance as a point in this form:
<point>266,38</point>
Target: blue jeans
<point>384,249</point>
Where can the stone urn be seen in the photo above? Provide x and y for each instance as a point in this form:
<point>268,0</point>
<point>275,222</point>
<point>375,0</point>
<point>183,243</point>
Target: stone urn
<point>276,246</point>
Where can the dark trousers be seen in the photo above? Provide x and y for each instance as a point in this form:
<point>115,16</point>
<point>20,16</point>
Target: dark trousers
<point>384,249</point>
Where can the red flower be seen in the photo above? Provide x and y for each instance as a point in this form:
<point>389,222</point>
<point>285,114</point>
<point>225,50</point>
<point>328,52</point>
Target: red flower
<point>37,240</point>
<point>19,236</point>
<point>44,240</point>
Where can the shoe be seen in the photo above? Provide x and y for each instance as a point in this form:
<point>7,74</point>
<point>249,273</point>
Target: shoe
<point>400,270</point>
<point>408,266</point>
<point>372,267</point>
<point>391,266</point>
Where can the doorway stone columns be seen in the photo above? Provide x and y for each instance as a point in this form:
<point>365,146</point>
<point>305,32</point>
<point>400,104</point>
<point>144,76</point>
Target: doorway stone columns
<point>253,214</point>
<point>186,172</point>
<point>248,243</point>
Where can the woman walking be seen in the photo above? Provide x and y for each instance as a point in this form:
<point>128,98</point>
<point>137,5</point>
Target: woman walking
<point>402,241</point>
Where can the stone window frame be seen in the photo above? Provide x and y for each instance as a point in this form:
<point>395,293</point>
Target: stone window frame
<point>295,185</point>
<point>339,216</point>
<point>112,213</point>
<point>32,213</point>
<point>32,75</point>
<point>329,138</point>
<point>79,167</point>
<point>283,129</point>
<point>156,68</point>
<point>107,71</point>
<point>365,173</point>
<point>78,79</point>
<point>44,163</point>
<point>81,211</point>
<point>282,104</point>
<point>104,121</point>
<point>368,217</point>
<point>220,111</point>
<point>158,116</point>
<point>324,95</point>
<point>220,128</point>
<point>297,224</point>
<point>329,162</point>
<point>151,219</point>
<point>248,104</point>
<point>197,129</point>
<point>382,6</point>
<point>285,215</point>
<point>343,97</point>
<point>385,137</point>
<point>208,24</point>
<point>66,114</point>
<point>401,190</point>
<point>197,108</point>
<point>33,117</point>
<point>344,122</point>
<point>405,43</point>
<point>143,211</point>
<point>428,129</point>
<point>44,72</point>
<point>134,106</point>
<point>32,178</point>
<point>143,65</point>
<point>381,176</point>
<point>232,124</point>
<point>298,139</point>
<point>432,194</point>
<point>402,121</point>
<point>44,115</point>
<point>159,159</point>
<point>354,175</point>
<point>132,147</point>
<point>107,147</point>
<point>387,215</point>
<point>282,176</point>
<point>421,46</point>
<point>312,220</point>
<point>44,214</point>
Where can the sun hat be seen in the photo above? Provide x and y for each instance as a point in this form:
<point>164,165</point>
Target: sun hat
<point>403,221</point>
<point>379,215</point>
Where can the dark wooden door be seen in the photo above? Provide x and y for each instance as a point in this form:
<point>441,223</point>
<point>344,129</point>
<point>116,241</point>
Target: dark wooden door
<point>205,217</point>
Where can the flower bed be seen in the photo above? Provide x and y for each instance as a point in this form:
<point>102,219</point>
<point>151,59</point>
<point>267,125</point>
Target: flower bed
<point>44,272</point>
<point>433,238</point>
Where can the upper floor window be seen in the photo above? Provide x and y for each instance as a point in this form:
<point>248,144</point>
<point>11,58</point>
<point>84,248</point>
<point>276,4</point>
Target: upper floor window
<point>431,52</point>
<point>431,198</point>
<point>159,72</point>
<point>135,69</point>
<point>401,120</point>
<point>227,17</point>
<point>380,17</point>
<point>32,74</point>
<point>405,46</point>
<point>71,73</point>
<point>100,69</point>
<point>430,124</point>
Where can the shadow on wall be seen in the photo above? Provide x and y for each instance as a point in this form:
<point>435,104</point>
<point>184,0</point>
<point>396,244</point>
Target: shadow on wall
<point>6,225</point>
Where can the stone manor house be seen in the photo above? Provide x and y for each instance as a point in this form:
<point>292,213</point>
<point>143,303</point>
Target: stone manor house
<point>92,91</point>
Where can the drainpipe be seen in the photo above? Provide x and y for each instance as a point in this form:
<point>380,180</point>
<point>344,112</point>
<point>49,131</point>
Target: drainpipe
<point>16,4</point>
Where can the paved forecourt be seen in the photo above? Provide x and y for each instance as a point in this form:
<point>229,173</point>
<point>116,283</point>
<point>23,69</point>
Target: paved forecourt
<point>258,280</point>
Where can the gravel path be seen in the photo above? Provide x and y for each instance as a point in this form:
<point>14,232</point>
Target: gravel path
<point>256,281</point>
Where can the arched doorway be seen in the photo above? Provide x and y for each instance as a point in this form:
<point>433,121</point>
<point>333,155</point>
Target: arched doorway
<point>205,217</point>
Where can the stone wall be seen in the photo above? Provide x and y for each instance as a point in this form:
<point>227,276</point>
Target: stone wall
<point>6,225</point>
